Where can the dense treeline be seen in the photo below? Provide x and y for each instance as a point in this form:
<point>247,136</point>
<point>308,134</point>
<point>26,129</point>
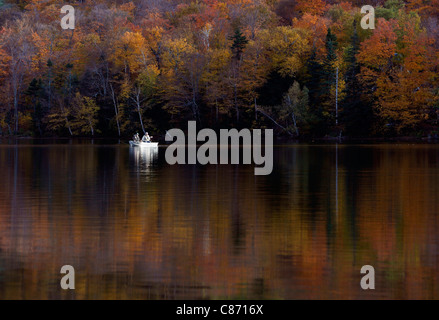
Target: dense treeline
<point>304,68</point>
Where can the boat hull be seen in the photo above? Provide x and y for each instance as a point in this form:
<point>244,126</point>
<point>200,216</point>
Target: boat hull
<point>144,144</point>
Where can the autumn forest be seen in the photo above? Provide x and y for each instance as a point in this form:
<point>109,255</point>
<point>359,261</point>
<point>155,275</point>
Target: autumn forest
<point>307,69</point>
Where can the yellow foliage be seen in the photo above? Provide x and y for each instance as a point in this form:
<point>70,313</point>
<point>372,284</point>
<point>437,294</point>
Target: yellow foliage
<point>3,124</point>
<point>4,63</point>
<point>130,52</point>
<point>287,48</point>
<point>85,114</point>
<point>176,51</point>
<point>25,121</point>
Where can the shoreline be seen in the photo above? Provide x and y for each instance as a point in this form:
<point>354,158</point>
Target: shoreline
<point>277,140</point>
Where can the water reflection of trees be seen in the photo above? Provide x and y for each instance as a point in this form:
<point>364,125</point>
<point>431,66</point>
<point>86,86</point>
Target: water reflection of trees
<point>219,231</point>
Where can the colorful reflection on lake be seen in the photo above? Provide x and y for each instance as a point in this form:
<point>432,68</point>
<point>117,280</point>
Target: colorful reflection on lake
<point>136,228</point>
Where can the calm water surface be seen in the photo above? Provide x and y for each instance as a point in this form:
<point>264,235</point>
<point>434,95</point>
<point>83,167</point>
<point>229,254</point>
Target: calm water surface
<point>136,228</point>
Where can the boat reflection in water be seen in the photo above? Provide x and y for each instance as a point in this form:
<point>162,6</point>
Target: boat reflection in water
<point>144,159</point>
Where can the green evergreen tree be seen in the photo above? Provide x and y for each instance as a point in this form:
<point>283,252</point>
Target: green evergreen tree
<point>331,45</point>
<point>239,43</point>
<point>327,80</point>
<point>314,71</point>
<point>356,114</point>
<point>313,84</point>
<point>36,93</point>
<point>328,73</point>
<point>49,84</point>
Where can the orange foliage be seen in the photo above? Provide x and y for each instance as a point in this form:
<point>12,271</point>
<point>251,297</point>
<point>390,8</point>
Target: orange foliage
<point>424,7</point>
<point>402,76</point>
<point>318,28</point>
<point>377,51</point>
<point>4,61</point>
<point>314,7</point>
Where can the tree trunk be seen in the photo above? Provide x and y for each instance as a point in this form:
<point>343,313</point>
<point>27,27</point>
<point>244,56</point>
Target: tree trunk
<point>295,123</point>
<point>140,117</point>
<point>49,102</point>
<point>16,110</point>
<point>256,110</point>
<point>236,103</point>
<point>217,111</point>
<point>293,116</point>
<point>68,126</point>
<point>275,122</point>
<point>336,98</point>
<point>138,102</point>
<point>15,87</point>
<point>115,108</point>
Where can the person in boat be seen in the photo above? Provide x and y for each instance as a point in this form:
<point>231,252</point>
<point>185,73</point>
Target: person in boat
<point>146,138</point>
<point>136,137</point>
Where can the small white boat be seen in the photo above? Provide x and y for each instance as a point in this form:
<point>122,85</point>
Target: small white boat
<point>142,144</point>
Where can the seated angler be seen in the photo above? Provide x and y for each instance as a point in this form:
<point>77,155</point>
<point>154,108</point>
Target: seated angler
<point>146,138</point>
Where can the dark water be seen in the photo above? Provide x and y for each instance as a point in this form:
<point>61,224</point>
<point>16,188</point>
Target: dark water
<point>134,227</point>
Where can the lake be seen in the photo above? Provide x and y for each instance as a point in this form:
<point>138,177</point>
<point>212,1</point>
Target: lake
<point>134,227</point>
